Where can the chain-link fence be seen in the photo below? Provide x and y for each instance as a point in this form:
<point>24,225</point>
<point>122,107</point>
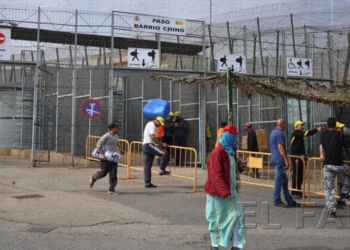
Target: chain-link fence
<point>83,55</point>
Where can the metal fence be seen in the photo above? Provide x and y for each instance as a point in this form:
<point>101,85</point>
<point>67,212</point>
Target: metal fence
<point>76,56</point>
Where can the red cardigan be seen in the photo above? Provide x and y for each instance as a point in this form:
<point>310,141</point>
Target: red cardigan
<point>218,182</point>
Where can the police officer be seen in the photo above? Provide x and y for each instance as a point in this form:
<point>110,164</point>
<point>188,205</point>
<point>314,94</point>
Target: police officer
<point>298,148</point>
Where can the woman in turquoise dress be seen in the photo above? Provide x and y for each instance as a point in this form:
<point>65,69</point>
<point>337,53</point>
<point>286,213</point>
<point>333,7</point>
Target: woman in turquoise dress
<point>223,209</point>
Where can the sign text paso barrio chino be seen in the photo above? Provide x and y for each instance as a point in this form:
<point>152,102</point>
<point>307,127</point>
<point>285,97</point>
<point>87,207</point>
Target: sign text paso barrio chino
<point>159,25</point>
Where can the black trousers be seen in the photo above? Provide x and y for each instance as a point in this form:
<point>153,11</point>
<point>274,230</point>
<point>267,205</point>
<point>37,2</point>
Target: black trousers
<point>169,141</point>
<point>108,167</point>
<point>149,152</point>
<point>297,175</point>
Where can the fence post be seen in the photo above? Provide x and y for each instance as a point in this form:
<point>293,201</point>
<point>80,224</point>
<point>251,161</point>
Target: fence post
<point>229,95</point>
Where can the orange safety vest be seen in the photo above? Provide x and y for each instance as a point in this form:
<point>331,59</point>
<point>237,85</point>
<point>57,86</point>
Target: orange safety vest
<point>159,132</point>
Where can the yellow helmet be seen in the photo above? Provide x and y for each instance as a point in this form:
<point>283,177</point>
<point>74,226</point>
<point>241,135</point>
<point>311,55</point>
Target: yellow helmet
<point>161,120</point>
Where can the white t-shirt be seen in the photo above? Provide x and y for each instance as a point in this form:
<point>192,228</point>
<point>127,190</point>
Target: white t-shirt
<point>149,129</point>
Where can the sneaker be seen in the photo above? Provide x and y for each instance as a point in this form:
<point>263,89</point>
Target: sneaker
<point>214,248</point>
<point>342,196</point>
<point>235,248</point>
<point>91,183</point>
<point>112,192</point>
<point>331,214</point>
<point>294,204</point>
<point>150,185</point>
<point>164,172</point>
<point>296,196</point>
<point>281,204</point>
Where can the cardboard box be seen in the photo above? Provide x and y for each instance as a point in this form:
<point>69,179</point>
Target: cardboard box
<point>261,136</point>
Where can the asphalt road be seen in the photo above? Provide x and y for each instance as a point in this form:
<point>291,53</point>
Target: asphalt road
<point>53,208</point>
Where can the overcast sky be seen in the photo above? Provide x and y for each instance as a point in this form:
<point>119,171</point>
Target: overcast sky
<point>186,9</point>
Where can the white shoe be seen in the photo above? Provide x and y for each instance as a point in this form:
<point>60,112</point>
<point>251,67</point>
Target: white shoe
<point>112,192</point>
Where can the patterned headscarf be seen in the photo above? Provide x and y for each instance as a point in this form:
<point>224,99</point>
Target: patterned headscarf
<point>227,140</point>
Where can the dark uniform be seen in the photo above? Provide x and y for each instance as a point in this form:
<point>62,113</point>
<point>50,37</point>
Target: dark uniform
<point>252,142</point>
<point>298,148</point>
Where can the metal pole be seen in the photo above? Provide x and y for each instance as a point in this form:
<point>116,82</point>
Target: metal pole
<point>202,106</point>
<point>159,50</point>
<point>230,42</point>
<point>292,30</point>
<point>57,101</point>
<point>58,58</point>
<point>307,87</point>
<point>111,76</point>
<point>104,56</point>
<point>120,58</point>
<point>229,95</point>
<point>295,55</point>
<point>74,87</point>
<point>306,42</point>
<point>210,12</point>
<point>211,50</point>
<point>330,55</point>
<point>90,95</point>
<point>35,94</point>
<point>22,107</point>
<point>345,76</point>
<point>254,54</point>
<point>267,65</point>
<point>86,56</point>
<point>181,66</point>
<point>261,53</point>
<point>277,50</point>
<point>347,62</point>
<point>322,64</point>
<point>70,56</point>
<point>284,52</point>
<point>337,76</point>
<point>245,51</point>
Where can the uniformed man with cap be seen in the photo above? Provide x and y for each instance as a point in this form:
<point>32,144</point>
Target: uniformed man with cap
<point>168,129</point>
<point>341,127</point>
<point>343,180</point>
<point>179,132</point>
<point>252,146</point>
<point>298,148</point>
<point>150,150</point>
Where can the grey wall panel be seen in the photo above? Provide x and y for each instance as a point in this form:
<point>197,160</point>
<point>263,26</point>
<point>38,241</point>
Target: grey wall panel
<point>11,104</point>
<point>10,136</point>
<point>151,88</point>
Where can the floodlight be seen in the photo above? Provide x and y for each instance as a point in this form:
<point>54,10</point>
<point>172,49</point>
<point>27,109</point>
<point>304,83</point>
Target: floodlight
<point>13,24</point>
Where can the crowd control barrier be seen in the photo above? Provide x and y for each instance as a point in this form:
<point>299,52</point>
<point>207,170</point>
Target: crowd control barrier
<point>315,179</point>
<point>182,163</point>
<point>259,164</point>
<point>91,145</point>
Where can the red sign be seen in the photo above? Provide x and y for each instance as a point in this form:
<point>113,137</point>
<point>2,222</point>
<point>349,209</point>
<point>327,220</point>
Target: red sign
<point>91,108</point>
<point>2,38</point>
